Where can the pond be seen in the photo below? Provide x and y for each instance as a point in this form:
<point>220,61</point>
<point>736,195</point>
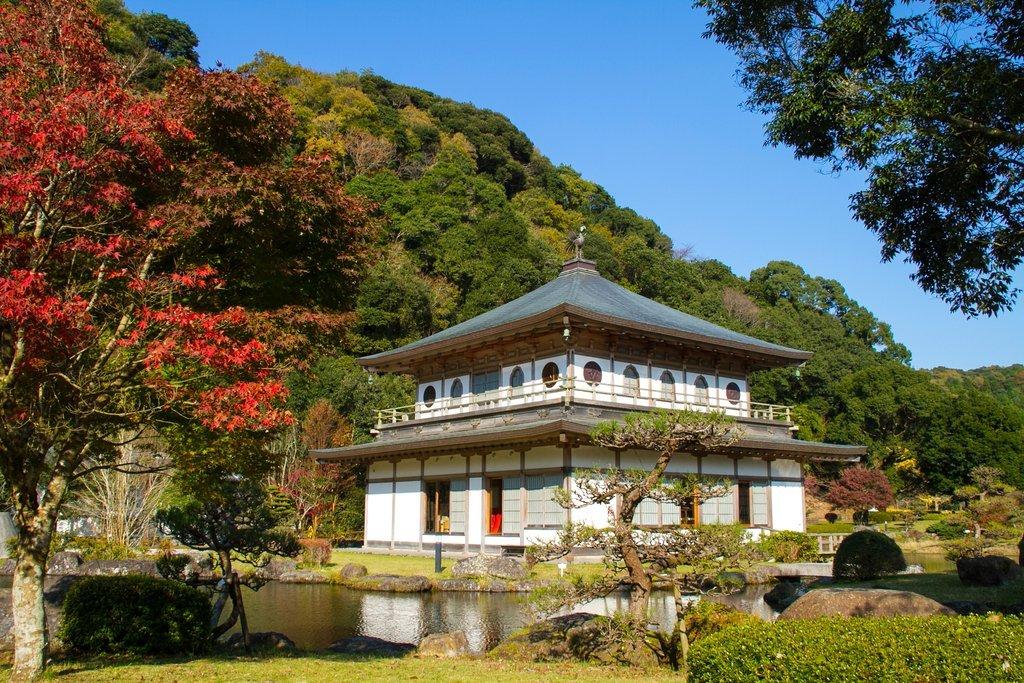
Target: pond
<point>316,615</point>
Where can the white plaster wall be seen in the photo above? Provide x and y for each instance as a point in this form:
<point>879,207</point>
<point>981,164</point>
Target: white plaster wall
<point>475,518</point>
<point>682,463</point>
<point>787,506</point>
<point>643,460</point>
<point>540,535</point>
<point>445,465</point>
<point>786,468</point>
<point>409,467</point>
<point>592,456</point>
<point>379,470</point>
<point>503,461</point>
<point>544,457</point>
<point>753,467</point>
<point>475,464</point>
<point>717,465</point>
<point>408,508</point>
<point>378,512</point>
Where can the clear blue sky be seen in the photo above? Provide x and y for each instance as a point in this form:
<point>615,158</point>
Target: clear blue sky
<point>631,96</point>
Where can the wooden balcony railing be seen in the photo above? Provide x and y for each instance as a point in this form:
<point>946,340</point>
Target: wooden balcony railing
<point>568,391</point>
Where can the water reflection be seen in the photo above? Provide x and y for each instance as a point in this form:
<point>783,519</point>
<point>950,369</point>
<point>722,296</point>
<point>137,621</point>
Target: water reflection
<point>314,616</point>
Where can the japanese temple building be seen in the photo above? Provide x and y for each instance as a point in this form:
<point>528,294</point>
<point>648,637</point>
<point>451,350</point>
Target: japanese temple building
<point>506,400</point>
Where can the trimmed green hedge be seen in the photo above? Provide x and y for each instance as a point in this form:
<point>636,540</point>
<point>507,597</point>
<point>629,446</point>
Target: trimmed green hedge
<point>892,650</point>
<point>867,555</point>
<point>135,615</point>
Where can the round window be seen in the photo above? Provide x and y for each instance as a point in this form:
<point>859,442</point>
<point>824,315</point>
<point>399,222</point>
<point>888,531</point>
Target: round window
<point>429,396</point>
<point>550,375</point>
<point>732,392</point>
<point>592,373</point>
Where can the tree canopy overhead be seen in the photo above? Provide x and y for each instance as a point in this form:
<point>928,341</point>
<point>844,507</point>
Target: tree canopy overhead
<point>926,99</point>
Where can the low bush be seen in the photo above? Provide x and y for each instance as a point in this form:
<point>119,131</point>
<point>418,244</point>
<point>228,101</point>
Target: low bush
<point>831,517</point>
<point>867,555</point>
<point>894,515</point>
<point>708,617</point>
<point>315,551</point>
<point>884,650</point>
<point>788,546</point>
<point>947,531</point>
<point>138,615</point>
<point>99,548</point>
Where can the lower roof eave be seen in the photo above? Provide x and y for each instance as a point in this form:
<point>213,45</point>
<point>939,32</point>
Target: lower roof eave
<point>559,430</point>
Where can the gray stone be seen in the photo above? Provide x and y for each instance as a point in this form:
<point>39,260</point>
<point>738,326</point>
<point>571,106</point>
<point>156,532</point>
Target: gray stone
<point>857,602</point>
<point>118,568</point>
<point>990,570</point>
<point>396,584</point>
<point>454,644</point>
<point>492,566</point>
<point>7,567</point>
<point>276,568</point>
<point>353,571</point>
<point>264,640</point>
<point>302,576</point>
<point>53,598</point>
<point>64,562</point>
<point>368,645</point>
<point>783,594</point>
<point>457,585</point>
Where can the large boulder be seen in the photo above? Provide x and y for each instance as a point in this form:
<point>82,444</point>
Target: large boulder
<point>862,602</point>
<point>353,571</point>
<point>573,637</point>
<point>63,563</point>
<point>454,644</point>
<point>392,583</point>
<point>457,585</point>
<point>263,641</point>
<point>277,567</point>
<point>784,594</point>
<point>991,570</point>
<point>53,599</point>
<point>490,566</point>
<point>368,645</point>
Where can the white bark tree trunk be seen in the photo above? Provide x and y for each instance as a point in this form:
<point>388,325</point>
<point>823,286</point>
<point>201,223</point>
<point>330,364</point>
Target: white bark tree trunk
<point>29,615</point>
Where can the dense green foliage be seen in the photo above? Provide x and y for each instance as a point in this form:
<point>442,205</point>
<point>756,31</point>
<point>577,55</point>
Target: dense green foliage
<point>924,99</point>
<point>866,555</point>
<point>787,546</point>
<point>472,215</point>
<point>138,615</point>
<point>1005,383</point>
<point>891,650</point>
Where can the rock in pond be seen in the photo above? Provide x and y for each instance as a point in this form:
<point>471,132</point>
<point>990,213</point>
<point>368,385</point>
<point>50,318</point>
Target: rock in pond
<point>302,576</point>
<point>353,571</point>
<point>454,644</point>
<point>392,583</point>
<point>457,585</point>
<point>64,562</point>
<point>494,566</point>
<point>368,645</point>
<point>784,594</point>
<point>991,570</point>
<point>263,640</point>
<point>863,602</point>
<point>578,636</point>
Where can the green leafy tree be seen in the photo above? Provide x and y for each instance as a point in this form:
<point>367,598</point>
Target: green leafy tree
<point>923,98</point>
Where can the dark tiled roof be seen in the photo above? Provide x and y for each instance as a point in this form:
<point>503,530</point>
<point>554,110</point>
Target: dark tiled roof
<point>456,442</point>
<point>583,290</point>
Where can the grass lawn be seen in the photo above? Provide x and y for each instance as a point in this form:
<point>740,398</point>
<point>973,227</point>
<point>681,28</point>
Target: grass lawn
<point>944,587</point>
<point>329,667</point>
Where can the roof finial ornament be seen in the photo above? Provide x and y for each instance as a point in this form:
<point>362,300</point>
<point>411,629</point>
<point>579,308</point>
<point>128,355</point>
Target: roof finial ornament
<point>577,241</point>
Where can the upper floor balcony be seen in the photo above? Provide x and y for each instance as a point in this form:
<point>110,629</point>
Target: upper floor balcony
<point>570,391</point>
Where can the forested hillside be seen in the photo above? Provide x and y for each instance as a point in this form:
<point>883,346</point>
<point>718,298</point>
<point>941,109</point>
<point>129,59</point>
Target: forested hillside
<point>469,214</point>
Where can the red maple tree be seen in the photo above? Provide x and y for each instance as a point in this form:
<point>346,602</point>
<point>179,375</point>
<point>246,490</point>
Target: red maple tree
<point>860,489</point>
<point>131,229</point>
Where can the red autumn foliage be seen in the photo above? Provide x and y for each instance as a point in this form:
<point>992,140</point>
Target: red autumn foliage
<point>860,488</point>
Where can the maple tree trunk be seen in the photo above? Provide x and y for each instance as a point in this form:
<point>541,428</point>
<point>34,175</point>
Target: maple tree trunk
<point>27,608</point>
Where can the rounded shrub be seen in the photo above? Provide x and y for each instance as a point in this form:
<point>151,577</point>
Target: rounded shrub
<point>135,615</point>
<point>882,650</point>
<point>867,555</point>
<point>947,531</point>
